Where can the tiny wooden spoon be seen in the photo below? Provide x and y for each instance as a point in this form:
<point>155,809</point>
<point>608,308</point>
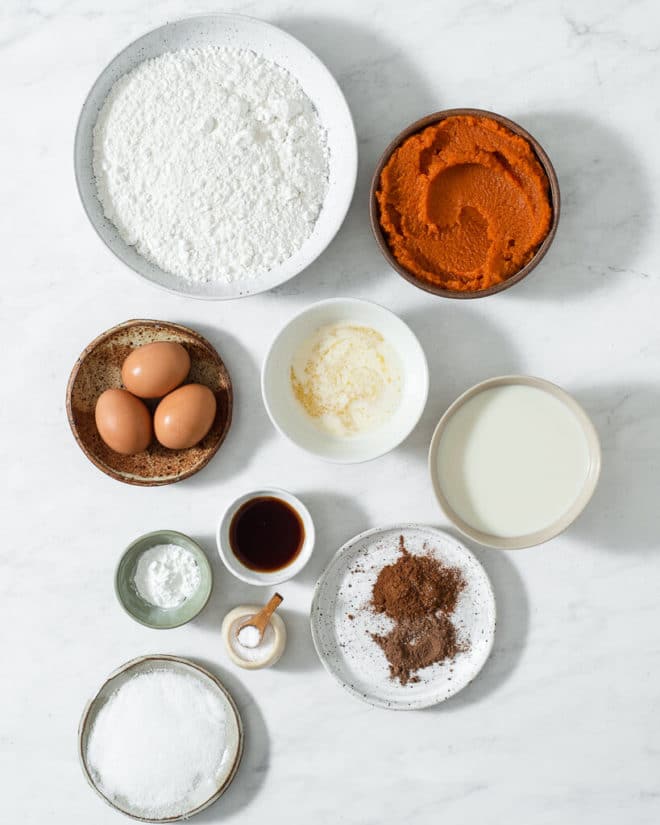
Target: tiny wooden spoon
<point>260,620</point>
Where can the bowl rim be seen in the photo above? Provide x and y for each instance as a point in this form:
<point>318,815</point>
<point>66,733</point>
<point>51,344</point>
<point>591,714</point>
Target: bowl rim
<point>423,367</point>
<point>254,577</point>
<point>582,499</point>
<point>162,657</point>
<point>418,126</point>
<point>201,558</point>
<point>167,325</point>
<point>227,16</point>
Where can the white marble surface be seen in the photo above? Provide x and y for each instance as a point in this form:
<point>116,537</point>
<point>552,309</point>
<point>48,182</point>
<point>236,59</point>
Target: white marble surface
<point>562,726</point>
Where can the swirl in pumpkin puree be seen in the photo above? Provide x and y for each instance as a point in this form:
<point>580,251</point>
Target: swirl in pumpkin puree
<point>465,203</point>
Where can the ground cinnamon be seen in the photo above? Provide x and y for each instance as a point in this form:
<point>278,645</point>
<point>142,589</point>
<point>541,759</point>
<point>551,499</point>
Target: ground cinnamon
<point>419,594</point>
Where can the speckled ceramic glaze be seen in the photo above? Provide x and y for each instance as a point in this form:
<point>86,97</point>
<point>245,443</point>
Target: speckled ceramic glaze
<point>318,84</point>
<point>99,368</point>
<point>342,622</point>
<point>148,614</point>
<point>144,664</point>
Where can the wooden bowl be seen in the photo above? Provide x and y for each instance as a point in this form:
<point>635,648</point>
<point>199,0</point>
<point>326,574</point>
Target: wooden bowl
<point>99,368</point>
<point>418,126</point>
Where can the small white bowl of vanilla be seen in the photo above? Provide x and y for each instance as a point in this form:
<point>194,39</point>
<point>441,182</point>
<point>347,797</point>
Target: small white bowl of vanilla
<point>346,380</point>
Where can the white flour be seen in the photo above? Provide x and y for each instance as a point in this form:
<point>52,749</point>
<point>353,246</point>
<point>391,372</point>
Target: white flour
<point>212,162</point>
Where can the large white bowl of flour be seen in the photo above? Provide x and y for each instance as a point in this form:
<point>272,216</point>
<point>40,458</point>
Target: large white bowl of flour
<point>190,221</point>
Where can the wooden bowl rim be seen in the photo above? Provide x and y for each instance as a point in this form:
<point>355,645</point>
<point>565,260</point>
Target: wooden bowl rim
<point>418,126</point>
<point>166,325</point>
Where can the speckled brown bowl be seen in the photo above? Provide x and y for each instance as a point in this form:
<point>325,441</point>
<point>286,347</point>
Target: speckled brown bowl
<point>99,368</point>
<point>374,211</point>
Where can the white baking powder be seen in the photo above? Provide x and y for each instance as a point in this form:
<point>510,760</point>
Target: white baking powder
<point>212,162</point>
<point>166,575</point>
<point>157,746</point>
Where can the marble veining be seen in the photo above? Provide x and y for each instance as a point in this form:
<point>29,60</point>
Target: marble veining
<point>561,726</point>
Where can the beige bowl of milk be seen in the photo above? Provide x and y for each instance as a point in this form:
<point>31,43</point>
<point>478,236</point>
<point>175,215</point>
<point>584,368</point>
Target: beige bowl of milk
<point>514,461</point>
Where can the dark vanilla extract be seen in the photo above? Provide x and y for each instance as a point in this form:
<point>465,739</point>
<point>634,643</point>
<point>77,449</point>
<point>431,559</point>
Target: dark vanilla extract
<point>266,534</point>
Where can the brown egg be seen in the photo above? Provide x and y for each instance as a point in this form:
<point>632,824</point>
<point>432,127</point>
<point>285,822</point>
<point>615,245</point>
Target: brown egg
<point>185,416</point>
<point>155,369</point>
<point>123,422</point>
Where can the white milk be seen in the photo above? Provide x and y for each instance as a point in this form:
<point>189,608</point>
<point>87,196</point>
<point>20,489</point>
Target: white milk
<point>512,460</point>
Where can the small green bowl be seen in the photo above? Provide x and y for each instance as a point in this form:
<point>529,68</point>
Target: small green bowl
<point>145,613</point>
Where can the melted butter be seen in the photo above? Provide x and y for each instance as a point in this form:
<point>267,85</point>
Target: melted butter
<point>347,378</point>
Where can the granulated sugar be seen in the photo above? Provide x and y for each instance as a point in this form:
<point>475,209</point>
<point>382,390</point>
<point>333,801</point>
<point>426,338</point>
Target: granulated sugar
<point>212,162</point>
<point>156,747</point>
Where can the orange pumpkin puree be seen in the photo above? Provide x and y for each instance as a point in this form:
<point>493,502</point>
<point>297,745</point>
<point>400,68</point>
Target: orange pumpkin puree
<point>464,203</point>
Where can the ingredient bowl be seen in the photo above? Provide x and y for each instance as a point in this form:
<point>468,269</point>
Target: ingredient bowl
<point>160,663</point>
<point>290,418</point>
<point>272,43</point>
<point>258,577</point>
<point>536,463</point>
<point>236,617</point>
<point>148,614</point>
<point>98,368</point>
<point>374,209</point>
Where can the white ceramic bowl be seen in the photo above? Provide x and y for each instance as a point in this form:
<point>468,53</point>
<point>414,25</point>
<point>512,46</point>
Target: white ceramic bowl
<point>245,611</point>
<point>290,419</point>
<point>244,573</point>
<point>275,45</point>
<point>580,502</point>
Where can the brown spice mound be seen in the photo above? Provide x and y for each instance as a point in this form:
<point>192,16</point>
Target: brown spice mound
<point>415,586</point>
<point>419,594</point>
<point>417,643</point>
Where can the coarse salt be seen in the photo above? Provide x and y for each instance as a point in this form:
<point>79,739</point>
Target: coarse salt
<point>249,636</point>
<point>243,646</point>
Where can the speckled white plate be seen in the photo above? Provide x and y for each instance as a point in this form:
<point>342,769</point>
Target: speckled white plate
<point>317,82</point>
<point>345,646</point>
